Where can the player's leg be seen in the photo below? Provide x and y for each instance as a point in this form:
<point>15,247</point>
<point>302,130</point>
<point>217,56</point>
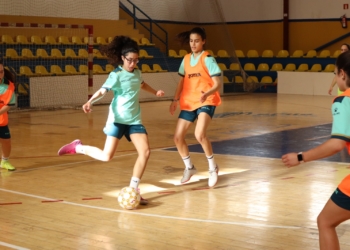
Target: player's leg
<point>204,118</point>
<point>138,136</point>
<point>5,140</point>
<point>185,120</point>
<point>114,133</point>
<point>336,210</point>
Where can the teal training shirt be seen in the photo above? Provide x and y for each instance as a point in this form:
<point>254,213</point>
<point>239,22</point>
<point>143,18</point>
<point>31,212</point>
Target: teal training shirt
<point>210,62</point>
<point>3,88</point>
<point>125,106</point>
<point>341,118</point>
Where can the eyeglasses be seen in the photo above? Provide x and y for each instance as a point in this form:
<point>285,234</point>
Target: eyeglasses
<point>130,60</point>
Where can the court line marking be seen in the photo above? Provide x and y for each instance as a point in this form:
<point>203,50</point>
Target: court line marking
<point>152,215</point>
<point>12,246</point>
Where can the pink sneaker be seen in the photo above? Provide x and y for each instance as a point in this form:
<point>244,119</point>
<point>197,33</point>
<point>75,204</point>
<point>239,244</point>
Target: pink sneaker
<point>69,148</point>
<point>142,201</point>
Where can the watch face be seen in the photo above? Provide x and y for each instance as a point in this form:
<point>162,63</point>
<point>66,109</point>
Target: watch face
<point>300,157</point>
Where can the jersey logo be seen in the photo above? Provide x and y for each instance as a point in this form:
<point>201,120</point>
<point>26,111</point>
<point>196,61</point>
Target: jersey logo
<point>194,75</point>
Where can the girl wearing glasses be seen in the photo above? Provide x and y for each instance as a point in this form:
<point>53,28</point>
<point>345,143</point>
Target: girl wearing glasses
<point>124,117</point>
<point>197,93</point>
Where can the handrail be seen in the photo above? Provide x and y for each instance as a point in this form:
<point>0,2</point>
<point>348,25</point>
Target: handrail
<point>133,14</point>
<point>332,42</point>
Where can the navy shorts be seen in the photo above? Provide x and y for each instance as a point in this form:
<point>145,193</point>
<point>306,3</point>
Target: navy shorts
<point>191,116</point>
<point>341,199</point>
<point>119,130</point>
<point>5,132</point>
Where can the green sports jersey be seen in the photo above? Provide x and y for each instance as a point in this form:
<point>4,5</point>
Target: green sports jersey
<point>210,63</point>
<point>341,118</point>
<point>3,88</point>
<point>125,106</point>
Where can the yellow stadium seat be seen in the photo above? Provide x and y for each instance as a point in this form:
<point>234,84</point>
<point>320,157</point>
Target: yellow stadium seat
<point>252,79</point>
<point>145,68</point>
<point>42,71</point>
<point>20,39</point>
<point>143,54</point>
<point>222,66</point>
<point>50,40</point>
<point>252,53</point>
<point>226,80</point>
<point>158,68</point>
<point>311,54</point>
<point>86,40</point>
<point>56,53</point>
<point>41,53</point>
<point>69,53</point>
<point>266,80</point>
<point>276,67</point>
<point>267,53</point>
<point>329,68</point>
<point>109,68</point>
<point>36,40</point>
<point>77,40</point>
<point>172,53</point>
<point>136,40</point>
<point>290,67</point>
<point>298,53</point>
<point>23,88</point>
<point>82,53</point>
<point>7,39</point>
<point>56,70</point>
<point>97,54</point>
<point>324,54</point>
<point>336,53</point>
<point>27,54</point>
<point>101,40</point>
<point>70,69</point>
<point>182,52</point>
<point>83,69</point>
<point>303,67</point>
<point>222,53</point>
<point>249,67</point>
<point>145,42</point>
<point>12,54</point>
<point>110,39</point>
<point>63,40</point>
<point>263,67</point>
<point>282,53</point>
<point>26,71</point>
<point>316,68</point>
<point>239,53</point>
<point>238,79</point>
<point>97,69</point>
<point>211,53</point>
<point>235,66</point>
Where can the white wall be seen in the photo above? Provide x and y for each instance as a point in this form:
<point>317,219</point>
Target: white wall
<point>85,9</point>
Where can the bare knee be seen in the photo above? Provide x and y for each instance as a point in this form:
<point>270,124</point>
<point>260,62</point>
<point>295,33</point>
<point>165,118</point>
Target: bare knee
<point>177,139</point>
<point>200,137</point>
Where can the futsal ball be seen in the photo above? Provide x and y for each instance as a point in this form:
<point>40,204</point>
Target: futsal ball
<point>129,198</point>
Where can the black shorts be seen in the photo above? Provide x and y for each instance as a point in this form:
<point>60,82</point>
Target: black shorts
<point>5,132</point>
<point>191,116</point>
<point>341,199</point>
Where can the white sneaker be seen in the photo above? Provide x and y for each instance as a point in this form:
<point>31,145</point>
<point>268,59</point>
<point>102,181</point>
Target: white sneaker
<point>188,174</point>
<point>213,177</point>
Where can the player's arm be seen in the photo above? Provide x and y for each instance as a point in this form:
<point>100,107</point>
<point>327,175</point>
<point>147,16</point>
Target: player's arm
<point>99,94</point>
<point>177,95</point>
<point>151,90</point>
<point>4,109</point>
<point>334,82</point>
<point>329,148</point>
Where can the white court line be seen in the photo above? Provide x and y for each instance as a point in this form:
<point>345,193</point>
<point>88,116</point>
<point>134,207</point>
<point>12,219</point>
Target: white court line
<point>153,215</point>
<point>12,246</point>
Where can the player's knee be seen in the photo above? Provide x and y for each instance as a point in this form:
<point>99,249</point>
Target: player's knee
<point>177,139</point>
<point>200,137</point>
<point>107,157</point>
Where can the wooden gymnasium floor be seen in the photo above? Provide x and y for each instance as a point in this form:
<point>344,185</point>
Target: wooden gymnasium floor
<point>257,204</point>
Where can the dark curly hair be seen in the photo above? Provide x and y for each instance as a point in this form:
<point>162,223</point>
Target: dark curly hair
<point>119,46</point>
<point>7,74</point>
<point>184,37</point>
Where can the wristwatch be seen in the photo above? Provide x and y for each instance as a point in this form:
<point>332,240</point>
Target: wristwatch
<point>300,157</point>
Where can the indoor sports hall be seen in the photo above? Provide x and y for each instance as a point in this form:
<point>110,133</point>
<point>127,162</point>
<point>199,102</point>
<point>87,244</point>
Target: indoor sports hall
<point>274,101</point>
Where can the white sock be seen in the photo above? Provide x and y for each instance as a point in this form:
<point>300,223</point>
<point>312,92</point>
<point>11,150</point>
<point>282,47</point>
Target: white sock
<point>211,161</point>
<point>4,158</point>
<point>188,162</point>
<point>134,182</point>
<point>80,149</point>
